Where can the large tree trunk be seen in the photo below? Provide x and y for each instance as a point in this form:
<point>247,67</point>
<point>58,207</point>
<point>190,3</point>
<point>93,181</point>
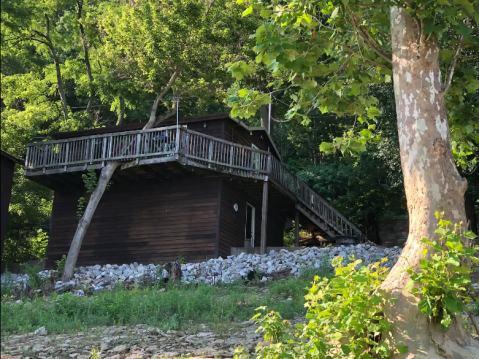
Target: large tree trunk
<point>431,181</point>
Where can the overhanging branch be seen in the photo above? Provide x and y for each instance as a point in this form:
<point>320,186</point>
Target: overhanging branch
<point>453,65</point>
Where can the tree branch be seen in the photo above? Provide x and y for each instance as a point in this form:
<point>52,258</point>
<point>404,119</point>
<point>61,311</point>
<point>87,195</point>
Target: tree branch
<point>354,52</point>
<point>453,65</point>
<point>366,37</point>
<point>166,115</point>
<point>159,98</point>
<point>209,7</point>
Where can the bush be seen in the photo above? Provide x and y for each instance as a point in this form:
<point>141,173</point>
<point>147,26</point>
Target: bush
<point>443,279</point>
<point>34,279</point>
<point>21,250</point>
<point>61,265</point>
<point>345,315</point>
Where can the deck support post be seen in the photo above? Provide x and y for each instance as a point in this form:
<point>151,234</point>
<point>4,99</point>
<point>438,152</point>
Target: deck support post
<point>264,215</point>
<point>296,228</point>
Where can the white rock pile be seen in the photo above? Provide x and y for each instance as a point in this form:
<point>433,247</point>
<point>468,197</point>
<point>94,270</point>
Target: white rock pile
<point>213,271</point>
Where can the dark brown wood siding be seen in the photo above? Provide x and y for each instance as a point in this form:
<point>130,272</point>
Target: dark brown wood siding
<point>232,223</point>
<point>145,222</point>
<point>7,168</point>
<point>238,134</point>
<point>212,128</point>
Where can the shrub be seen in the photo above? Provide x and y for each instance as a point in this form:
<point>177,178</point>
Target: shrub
<point>345,316</point>
<point>21,250</point>
<point>61,265</point>
<point>443,279</point>
<point>34,279</point>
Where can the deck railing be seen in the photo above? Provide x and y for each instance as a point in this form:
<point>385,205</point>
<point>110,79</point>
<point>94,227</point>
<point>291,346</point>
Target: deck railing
<point>311,200</point>
<point>178,143</point>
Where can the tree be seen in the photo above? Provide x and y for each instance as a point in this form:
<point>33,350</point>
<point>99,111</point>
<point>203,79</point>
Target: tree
<point>351,45</point>
<point>39,24</point>
<point>169,47</point>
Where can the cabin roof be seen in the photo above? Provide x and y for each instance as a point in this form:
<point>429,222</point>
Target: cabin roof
<point>168,122</point>
<point>11,158</point>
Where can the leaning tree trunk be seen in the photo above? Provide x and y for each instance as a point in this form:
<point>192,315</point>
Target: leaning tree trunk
<point>74,251</point>
<point>105,176</point>
<point>431,181</point>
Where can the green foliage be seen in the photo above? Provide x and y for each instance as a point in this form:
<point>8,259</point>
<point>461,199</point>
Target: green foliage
<point>29,212</point>
<point>90,182</point>
<point>327,55</point>
<point>34,279</point>
<point>442,281</point>
<point>345,318</point>
<point>271,324</point>
<point>182,259</point>
<point>61,265</point>
<point>34,247</point>
<point>95,354</point>
<point>81,207</point>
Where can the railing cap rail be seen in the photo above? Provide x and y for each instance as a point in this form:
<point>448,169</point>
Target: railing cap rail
<point>103,135</point>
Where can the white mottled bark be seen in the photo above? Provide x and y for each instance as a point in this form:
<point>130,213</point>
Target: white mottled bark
<point>431,181</point>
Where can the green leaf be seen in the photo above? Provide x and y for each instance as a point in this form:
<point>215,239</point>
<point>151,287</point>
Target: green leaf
<point>373,112</point>
<point>247,11</point>
<point>402,349</point>
<point>451,304</point>
<point>346,349</point>
<point>443,2</point>
<point>326,147</point>
<point>463,29</point>
<point>409,284</point>
<point>335,13</point>
<point>470,234</point>
<point>242,93</point>
<point>265,13</point>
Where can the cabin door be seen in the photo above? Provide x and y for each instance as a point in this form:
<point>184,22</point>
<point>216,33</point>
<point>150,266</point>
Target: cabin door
<point>249,226</point>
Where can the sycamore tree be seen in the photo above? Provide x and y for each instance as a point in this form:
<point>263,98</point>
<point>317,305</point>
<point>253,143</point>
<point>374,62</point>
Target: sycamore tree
<point>151,50</point>
<point>328,54</point>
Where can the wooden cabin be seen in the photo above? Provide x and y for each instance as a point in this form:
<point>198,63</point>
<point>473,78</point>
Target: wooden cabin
<point>195,190</point>
<point>7,169</point>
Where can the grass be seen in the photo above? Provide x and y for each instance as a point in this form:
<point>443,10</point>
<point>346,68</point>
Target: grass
<point>177,308</point>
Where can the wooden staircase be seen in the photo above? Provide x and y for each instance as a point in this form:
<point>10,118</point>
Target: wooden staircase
<point>325,229</point>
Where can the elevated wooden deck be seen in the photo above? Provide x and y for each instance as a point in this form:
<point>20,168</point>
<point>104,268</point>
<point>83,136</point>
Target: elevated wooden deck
<point>178,144</point>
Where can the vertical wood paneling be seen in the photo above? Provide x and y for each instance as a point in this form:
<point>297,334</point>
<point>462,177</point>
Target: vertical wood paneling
<point>148,222</point>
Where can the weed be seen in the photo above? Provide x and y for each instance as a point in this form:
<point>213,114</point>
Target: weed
<point>61,265</point>
<point>442,280</point>
<point>34,279</point>
<point>95,354</point>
